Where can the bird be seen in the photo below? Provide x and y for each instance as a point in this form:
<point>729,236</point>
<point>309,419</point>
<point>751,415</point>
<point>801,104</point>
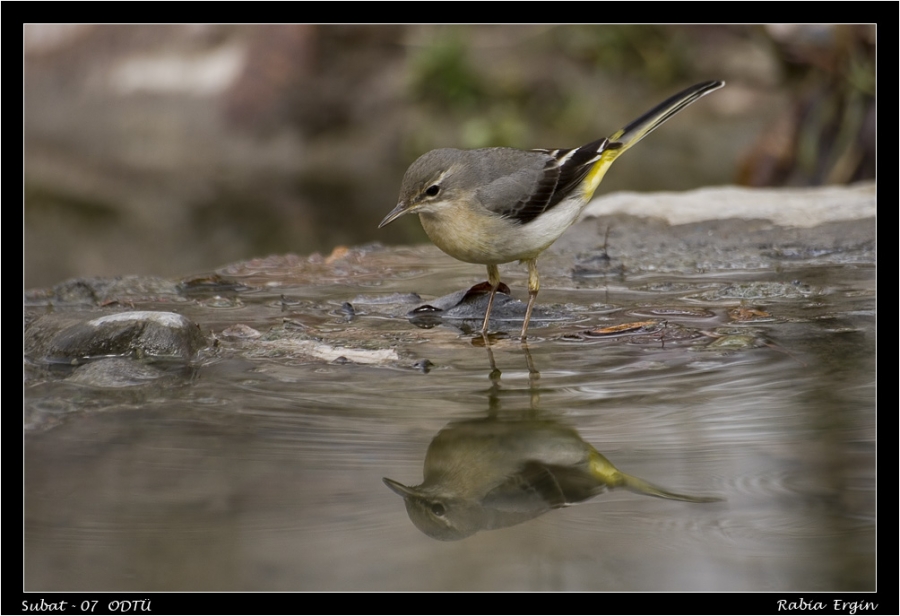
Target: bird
<point>487,474</point>
<point>498,205</point>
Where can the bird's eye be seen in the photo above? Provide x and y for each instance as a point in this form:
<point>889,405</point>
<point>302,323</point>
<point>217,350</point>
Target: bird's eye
<point>433,190</point>
<point>438,509</point>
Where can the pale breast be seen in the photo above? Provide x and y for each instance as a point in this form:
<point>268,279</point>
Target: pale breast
<point>477,236</point>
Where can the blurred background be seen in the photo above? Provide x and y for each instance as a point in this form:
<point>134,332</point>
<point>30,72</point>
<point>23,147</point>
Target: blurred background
<point>172,150</point>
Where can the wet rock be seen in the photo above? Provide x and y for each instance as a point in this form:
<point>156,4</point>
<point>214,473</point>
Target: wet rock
<point>140,334</point>
<point>240,331</point>
<point>471,304</point>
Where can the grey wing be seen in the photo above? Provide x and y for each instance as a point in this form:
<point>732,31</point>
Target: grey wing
<point>524,192</point>
<point>538,486</point>
<point>529,192</point>
<point>532,488</point>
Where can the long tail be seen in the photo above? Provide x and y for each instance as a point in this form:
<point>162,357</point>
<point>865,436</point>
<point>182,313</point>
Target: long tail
<point>636,484</point>
<point>624,138</point>
<point>607,474</point>
<point>630,134</point>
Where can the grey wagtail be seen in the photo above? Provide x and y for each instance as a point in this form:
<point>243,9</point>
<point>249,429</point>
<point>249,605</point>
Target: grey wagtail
<point>490,474</point>
<point>497,205</point>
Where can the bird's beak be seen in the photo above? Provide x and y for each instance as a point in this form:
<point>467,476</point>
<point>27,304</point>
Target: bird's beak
<point>397,212</point>
<point>398,487</point>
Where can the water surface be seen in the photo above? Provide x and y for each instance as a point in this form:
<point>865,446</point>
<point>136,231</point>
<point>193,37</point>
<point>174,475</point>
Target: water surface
<point>261,467</point>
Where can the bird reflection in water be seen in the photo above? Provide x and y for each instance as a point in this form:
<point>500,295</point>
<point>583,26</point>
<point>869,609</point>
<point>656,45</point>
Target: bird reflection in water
<point>493,473</point>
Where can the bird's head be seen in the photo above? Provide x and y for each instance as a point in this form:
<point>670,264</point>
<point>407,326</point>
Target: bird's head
<point>428,185</point>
